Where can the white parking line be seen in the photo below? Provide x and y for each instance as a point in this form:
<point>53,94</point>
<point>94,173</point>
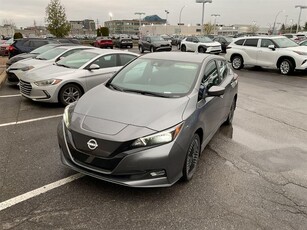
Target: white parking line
<point>30,120</point>
<point>15,95</point>
<point>18,199</point>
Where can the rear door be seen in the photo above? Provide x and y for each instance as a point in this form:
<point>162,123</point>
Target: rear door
<point>227,80</point>
<point>250,48</point>
<point>109,64</point>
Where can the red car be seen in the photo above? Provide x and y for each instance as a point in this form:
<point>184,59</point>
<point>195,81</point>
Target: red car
<point>103,42</point>
<point>4,45</point>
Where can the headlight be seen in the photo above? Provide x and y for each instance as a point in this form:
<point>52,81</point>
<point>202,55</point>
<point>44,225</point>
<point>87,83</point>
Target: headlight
<point>158,138</point>
<point>67,114</point>
<point>47,82</point>
<point>300,53</point>
<point>27,68</point>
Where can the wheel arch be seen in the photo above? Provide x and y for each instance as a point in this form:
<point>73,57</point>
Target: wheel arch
<point>200,133</point>
<point>236,54</point>
<point>70,83</point>
<point>280,59</point>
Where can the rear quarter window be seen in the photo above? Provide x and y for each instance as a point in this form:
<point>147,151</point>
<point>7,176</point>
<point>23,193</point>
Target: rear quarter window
<point>251,42</point>
<point>240,42</point>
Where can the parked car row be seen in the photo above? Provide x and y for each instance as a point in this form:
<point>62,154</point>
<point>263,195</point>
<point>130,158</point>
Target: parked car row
<point>63,73</point>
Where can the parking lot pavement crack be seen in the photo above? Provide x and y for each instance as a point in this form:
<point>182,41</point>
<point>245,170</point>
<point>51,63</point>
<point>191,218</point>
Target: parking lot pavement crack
<point>254,222</point>
<point>271,118</point>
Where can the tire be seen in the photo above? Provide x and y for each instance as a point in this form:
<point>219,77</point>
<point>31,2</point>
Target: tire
<point>183,48</point>
<point>141,49</point>
<point>237,62</point>
<point>231,113</point>
<point>201,50</point>
<point>69,93</point>
<point>152,49</point>
<point>192,158</point>
<point>286,67</point>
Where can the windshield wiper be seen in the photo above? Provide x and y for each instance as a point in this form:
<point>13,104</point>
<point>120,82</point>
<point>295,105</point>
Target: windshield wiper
<point>62,65</point>
<point>40,58</point>
<point>148,93</point>
<point>115,87</point>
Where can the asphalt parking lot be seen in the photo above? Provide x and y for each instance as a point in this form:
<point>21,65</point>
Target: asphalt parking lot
<point>252,175</point>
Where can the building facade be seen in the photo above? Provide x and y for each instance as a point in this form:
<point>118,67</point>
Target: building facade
<point>82,27</point>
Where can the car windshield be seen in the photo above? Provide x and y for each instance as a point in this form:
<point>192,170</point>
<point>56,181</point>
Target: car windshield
<point>76,60</point>
<point>51,54</point>
<point>285,42</point>
<point>204,39</point>
<point>156,39</point>
<point>228,39</point>
<point>42,49</point>
<point>162,78</point>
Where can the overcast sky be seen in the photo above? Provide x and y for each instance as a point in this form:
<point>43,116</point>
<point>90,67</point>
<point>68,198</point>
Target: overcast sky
<point>263,12</point>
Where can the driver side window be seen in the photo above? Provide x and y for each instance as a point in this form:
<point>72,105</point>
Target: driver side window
<point>210,78</point>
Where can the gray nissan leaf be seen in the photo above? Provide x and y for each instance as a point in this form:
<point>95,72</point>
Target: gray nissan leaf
<point>148,124</point>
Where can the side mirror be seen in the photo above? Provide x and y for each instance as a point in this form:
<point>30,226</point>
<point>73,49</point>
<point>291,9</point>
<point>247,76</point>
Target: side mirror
<point>216,91</point>
<point>272,47</point>
<point>93,67</point>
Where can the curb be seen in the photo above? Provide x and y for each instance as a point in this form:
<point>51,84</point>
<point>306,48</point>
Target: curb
<point>2,75</point>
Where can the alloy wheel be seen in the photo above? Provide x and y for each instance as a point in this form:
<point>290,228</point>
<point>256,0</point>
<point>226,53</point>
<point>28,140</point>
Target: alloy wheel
<point>71,94</point>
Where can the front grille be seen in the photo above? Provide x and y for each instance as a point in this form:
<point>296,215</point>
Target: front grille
<point>25,87</point>
<point>106,157</point>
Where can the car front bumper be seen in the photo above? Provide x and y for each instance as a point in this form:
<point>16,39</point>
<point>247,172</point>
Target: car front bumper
<point>150,167</point>
<point>39,93</point>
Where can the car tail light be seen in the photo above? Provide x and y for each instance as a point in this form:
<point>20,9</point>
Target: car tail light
<point>235,77</point>
<point>10,48</point>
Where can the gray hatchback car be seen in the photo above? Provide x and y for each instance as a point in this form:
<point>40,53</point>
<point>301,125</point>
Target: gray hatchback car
<point>147,125</point>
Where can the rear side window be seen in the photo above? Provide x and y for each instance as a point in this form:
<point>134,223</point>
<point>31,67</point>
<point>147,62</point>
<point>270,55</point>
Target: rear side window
<point>125,58</point>
<point>240,42</point>
<point>251,42</point>
<point>223,69</point>
<point>37,43</point>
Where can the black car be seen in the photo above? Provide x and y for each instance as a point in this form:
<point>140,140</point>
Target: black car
<point>123,43</point>
<point>153,44</point>
<point>34,53</point>
<point>224,40</point>
<point>26,45</point>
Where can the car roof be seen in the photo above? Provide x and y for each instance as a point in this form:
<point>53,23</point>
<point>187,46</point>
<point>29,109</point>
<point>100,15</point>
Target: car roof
<point>178,56</point>
<point>107,51</point>
<point>261,36</point>
<point>73,46</point>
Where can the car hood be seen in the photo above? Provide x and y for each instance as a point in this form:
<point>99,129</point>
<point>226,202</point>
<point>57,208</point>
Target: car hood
<point>161,42</point>
<point>30,62</point>
<point>211,43</point>
<point>47,72</point>
<point>298,48</point>
<point>122,109</point>
<point>20,57</point>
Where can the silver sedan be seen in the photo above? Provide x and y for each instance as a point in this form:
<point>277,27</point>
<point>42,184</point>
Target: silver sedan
<point>68,79</point>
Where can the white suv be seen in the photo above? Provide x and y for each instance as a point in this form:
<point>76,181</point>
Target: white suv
<point>270,52</point>
<point>200,44</point>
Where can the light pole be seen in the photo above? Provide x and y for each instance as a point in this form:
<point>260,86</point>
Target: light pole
<point>291,26</point>
<point>111,24</point>
<point>167,12</point>
<point>180,14</point>
<point>215,16</point>
<point>203,11</point>
<point>140,16</point>
<point>273,30</point>
<point>180,18</point>
<point>286,17</point>
<point>299,16</point>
